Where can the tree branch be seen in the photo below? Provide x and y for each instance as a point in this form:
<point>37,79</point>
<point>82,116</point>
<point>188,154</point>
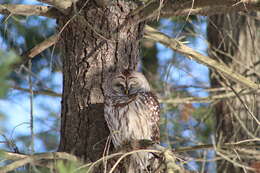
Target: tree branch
<point>42,46</point>
<point>36,92</point>
<point>208,7</point>
<point>25,159</point>
<point>153,34</point>
<point>61,5</point>
<point>163,100</point>
<point>29,10</point>
<point>22,159</point>
<point>207,99</point>
<point>171,8</point>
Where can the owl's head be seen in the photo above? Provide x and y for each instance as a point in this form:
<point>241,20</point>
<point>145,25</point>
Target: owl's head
<point>127,83</point>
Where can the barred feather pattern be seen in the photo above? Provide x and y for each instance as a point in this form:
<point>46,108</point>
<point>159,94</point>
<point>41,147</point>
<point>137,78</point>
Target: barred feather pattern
<point>133,117</point>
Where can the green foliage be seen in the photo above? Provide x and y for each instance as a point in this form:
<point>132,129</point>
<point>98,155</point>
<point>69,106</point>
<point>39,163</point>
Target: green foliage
<point>7,59</point>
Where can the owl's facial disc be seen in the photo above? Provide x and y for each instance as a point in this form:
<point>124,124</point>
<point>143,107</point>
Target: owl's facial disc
<point>127,84</point>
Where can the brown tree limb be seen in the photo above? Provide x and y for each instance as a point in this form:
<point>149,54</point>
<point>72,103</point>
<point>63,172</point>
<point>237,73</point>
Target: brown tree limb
<point>155,35</point>
<point>42,46</point>
<point>29,10</point>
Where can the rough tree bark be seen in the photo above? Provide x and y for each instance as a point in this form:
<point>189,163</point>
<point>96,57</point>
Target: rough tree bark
<point>238,37</point>
<point>95,42</point>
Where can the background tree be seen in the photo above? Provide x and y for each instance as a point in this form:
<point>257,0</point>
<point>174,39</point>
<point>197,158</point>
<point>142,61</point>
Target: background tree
<point>233,40</point>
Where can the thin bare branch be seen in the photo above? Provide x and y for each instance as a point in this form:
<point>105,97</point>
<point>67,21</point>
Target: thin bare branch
<point>37,92</point>
<point>29,10</point>
<point>31,107</point>
<point>153,34</point>
<point>206,99</point>
<point>166,100</point>
<point>42,46</point>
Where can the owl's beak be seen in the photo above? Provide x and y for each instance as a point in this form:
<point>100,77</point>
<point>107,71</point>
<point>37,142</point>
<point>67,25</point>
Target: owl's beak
<point>126,91</point>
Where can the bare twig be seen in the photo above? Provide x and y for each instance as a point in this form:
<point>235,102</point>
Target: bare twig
<point>245,106</point>
<point>227,158</point>
<point>38,92</point>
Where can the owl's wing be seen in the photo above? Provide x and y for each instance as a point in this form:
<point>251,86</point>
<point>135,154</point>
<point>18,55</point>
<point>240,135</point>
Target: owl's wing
<point>154,108</point>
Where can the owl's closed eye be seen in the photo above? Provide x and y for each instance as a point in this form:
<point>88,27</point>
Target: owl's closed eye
<point>119,88</point>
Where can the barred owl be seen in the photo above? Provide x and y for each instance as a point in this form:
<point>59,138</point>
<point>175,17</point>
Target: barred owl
<point>132,113</point>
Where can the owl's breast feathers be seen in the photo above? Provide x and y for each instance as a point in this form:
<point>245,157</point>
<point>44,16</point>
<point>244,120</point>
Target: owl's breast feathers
<point>152,105</point>
<point>126,101</point>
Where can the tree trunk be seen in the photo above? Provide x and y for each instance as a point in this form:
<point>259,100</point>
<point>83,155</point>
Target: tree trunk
<point>237,37</point>
<point>95,42</point>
